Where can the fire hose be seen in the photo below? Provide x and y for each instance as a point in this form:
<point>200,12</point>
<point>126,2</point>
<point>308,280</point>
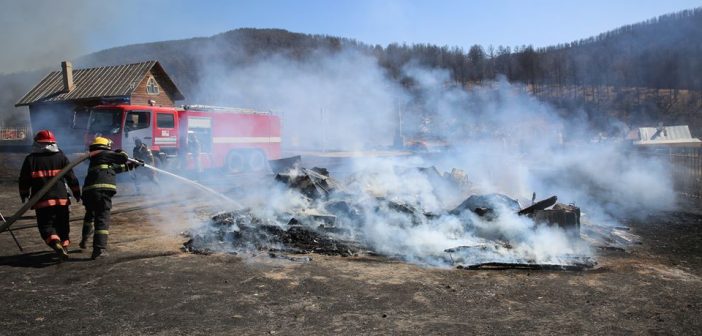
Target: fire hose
<point>35,197</point>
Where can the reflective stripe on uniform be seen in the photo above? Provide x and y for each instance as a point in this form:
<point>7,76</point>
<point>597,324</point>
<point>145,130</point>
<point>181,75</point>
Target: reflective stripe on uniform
<point>51,202</point>
<point>100,167</point>
<point>45,173</point>
<point>102,232</point>
<point>100,186</point>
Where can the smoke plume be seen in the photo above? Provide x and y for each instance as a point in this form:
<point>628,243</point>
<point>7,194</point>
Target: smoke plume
<point>503,138</point>
<point>40,33</point>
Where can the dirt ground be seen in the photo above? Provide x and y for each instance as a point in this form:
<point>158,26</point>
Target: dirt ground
<point>147,286</point>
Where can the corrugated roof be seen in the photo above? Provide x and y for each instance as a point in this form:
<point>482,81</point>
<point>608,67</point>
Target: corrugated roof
<point>667,135</point>
<point>109,81</point>
<point>681,132</point>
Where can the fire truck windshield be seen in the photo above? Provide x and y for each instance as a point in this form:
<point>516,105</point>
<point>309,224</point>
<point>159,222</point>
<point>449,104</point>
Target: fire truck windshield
<point>105,121</point>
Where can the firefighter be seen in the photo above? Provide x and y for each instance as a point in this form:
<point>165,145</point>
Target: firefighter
<point>142,153</point>
<point>99,187</point>
<point>183,154</point>
<point>195,149</point>
<point>39,167</point>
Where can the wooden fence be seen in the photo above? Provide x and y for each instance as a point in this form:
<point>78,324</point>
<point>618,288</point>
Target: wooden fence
<point>686,165</point>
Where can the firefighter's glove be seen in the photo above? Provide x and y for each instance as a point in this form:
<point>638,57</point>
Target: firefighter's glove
<point>133,164</point>
<point>136,162</point>
<point>23,198</point>
<point>77,197</point>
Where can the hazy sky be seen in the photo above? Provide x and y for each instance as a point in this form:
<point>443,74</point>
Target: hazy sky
<point>82,26</point>
<point>448,22</point>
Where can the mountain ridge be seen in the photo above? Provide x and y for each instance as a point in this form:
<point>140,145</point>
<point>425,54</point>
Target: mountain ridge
<point>636,55</point>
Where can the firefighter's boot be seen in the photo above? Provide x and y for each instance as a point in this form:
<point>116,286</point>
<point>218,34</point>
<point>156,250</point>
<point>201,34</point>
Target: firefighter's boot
<point>83,243</point>
<point>98,253</point>
<point>87,232</point>
<point>59,250</point>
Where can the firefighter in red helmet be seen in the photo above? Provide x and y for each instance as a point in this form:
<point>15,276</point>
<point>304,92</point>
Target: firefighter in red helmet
<point>39,167</point>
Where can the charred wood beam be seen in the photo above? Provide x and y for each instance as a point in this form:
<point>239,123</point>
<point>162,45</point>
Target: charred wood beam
<point>540,205</point>
<point>526,266</point>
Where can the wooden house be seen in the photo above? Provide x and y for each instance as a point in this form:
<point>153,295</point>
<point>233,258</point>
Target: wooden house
<point>62,100</point>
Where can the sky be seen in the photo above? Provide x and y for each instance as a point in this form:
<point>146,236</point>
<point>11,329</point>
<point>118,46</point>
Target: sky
<point>91,25</point>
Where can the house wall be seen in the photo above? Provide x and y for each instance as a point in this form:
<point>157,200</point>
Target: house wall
<point>141,97</point>
<point>57,117</point>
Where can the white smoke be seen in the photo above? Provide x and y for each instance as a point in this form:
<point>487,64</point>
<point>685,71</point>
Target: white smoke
<point>503,138</point>
<point>328,101</point>
<point>40,33</point>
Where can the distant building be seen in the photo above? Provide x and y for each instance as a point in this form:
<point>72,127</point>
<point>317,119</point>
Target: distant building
<point>63,98</point>
<point>678,136</point>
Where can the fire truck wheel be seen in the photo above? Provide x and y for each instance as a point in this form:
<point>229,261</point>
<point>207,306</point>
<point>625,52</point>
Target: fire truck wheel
<point>257,161</point>
<point>235,162</point>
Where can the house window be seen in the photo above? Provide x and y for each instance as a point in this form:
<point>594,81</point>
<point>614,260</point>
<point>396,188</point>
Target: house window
<point>151,86</point>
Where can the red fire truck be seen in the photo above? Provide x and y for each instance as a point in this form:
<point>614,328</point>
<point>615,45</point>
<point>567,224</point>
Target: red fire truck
<point>232,138</point>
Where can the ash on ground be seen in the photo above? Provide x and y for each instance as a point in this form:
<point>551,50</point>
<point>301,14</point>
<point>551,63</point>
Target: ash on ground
<point>357,217</point>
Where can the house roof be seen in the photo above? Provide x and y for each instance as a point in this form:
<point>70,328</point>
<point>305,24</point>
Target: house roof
<point>109,81</point>
<point>667,135</point>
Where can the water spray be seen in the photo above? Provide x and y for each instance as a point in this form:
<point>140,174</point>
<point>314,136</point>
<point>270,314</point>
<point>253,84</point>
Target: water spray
<point>189,182</point>
<point>7,222</point>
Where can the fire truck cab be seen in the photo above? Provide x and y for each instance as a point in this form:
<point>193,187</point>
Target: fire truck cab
<point>232,138</point>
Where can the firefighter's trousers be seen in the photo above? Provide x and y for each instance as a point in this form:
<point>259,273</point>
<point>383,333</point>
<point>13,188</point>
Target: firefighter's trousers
<point>98,204</point>
<point>53,223</point>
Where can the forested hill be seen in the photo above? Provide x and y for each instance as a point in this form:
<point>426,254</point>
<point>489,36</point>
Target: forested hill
<point>185,59</point>
<point>661,53</point>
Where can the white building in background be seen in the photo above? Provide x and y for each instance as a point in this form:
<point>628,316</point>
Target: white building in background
<point>668,136</point>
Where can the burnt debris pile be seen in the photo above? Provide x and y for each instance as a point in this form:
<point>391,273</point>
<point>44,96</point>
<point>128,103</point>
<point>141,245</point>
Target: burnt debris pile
<point>241,230</point>
<point>411,220</point>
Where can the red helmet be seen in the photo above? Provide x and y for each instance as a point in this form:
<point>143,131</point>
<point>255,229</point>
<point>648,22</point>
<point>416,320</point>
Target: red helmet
<point>45,136</point>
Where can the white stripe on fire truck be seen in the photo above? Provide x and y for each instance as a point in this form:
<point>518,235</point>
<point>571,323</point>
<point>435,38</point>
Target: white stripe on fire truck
<point>160,140</point>
<point>240,140</point>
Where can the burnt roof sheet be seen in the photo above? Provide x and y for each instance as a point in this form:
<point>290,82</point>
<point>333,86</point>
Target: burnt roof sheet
<point>108,81</point>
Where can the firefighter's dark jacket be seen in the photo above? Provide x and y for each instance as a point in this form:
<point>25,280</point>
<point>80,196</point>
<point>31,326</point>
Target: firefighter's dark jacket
<point>103,169</point>
<point>40,167</point>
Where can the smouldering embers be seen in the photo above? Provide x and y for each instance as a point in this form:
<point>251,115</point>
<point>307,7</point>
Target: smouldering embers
<point>404,213</point>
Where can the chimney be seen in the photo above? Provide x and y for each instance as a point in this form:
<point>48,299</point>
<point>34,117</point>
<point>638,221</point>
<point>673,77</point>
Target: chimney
<point>67,71</point>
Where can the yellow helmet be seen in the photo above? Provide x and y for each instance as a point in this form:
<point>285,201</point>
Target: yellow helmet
<point>101,142</point>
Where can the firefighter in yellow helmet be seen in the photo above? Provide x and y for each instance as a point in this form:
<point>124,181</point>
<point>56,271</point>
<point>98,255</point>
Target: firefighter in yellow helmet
<point>99,187</point>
